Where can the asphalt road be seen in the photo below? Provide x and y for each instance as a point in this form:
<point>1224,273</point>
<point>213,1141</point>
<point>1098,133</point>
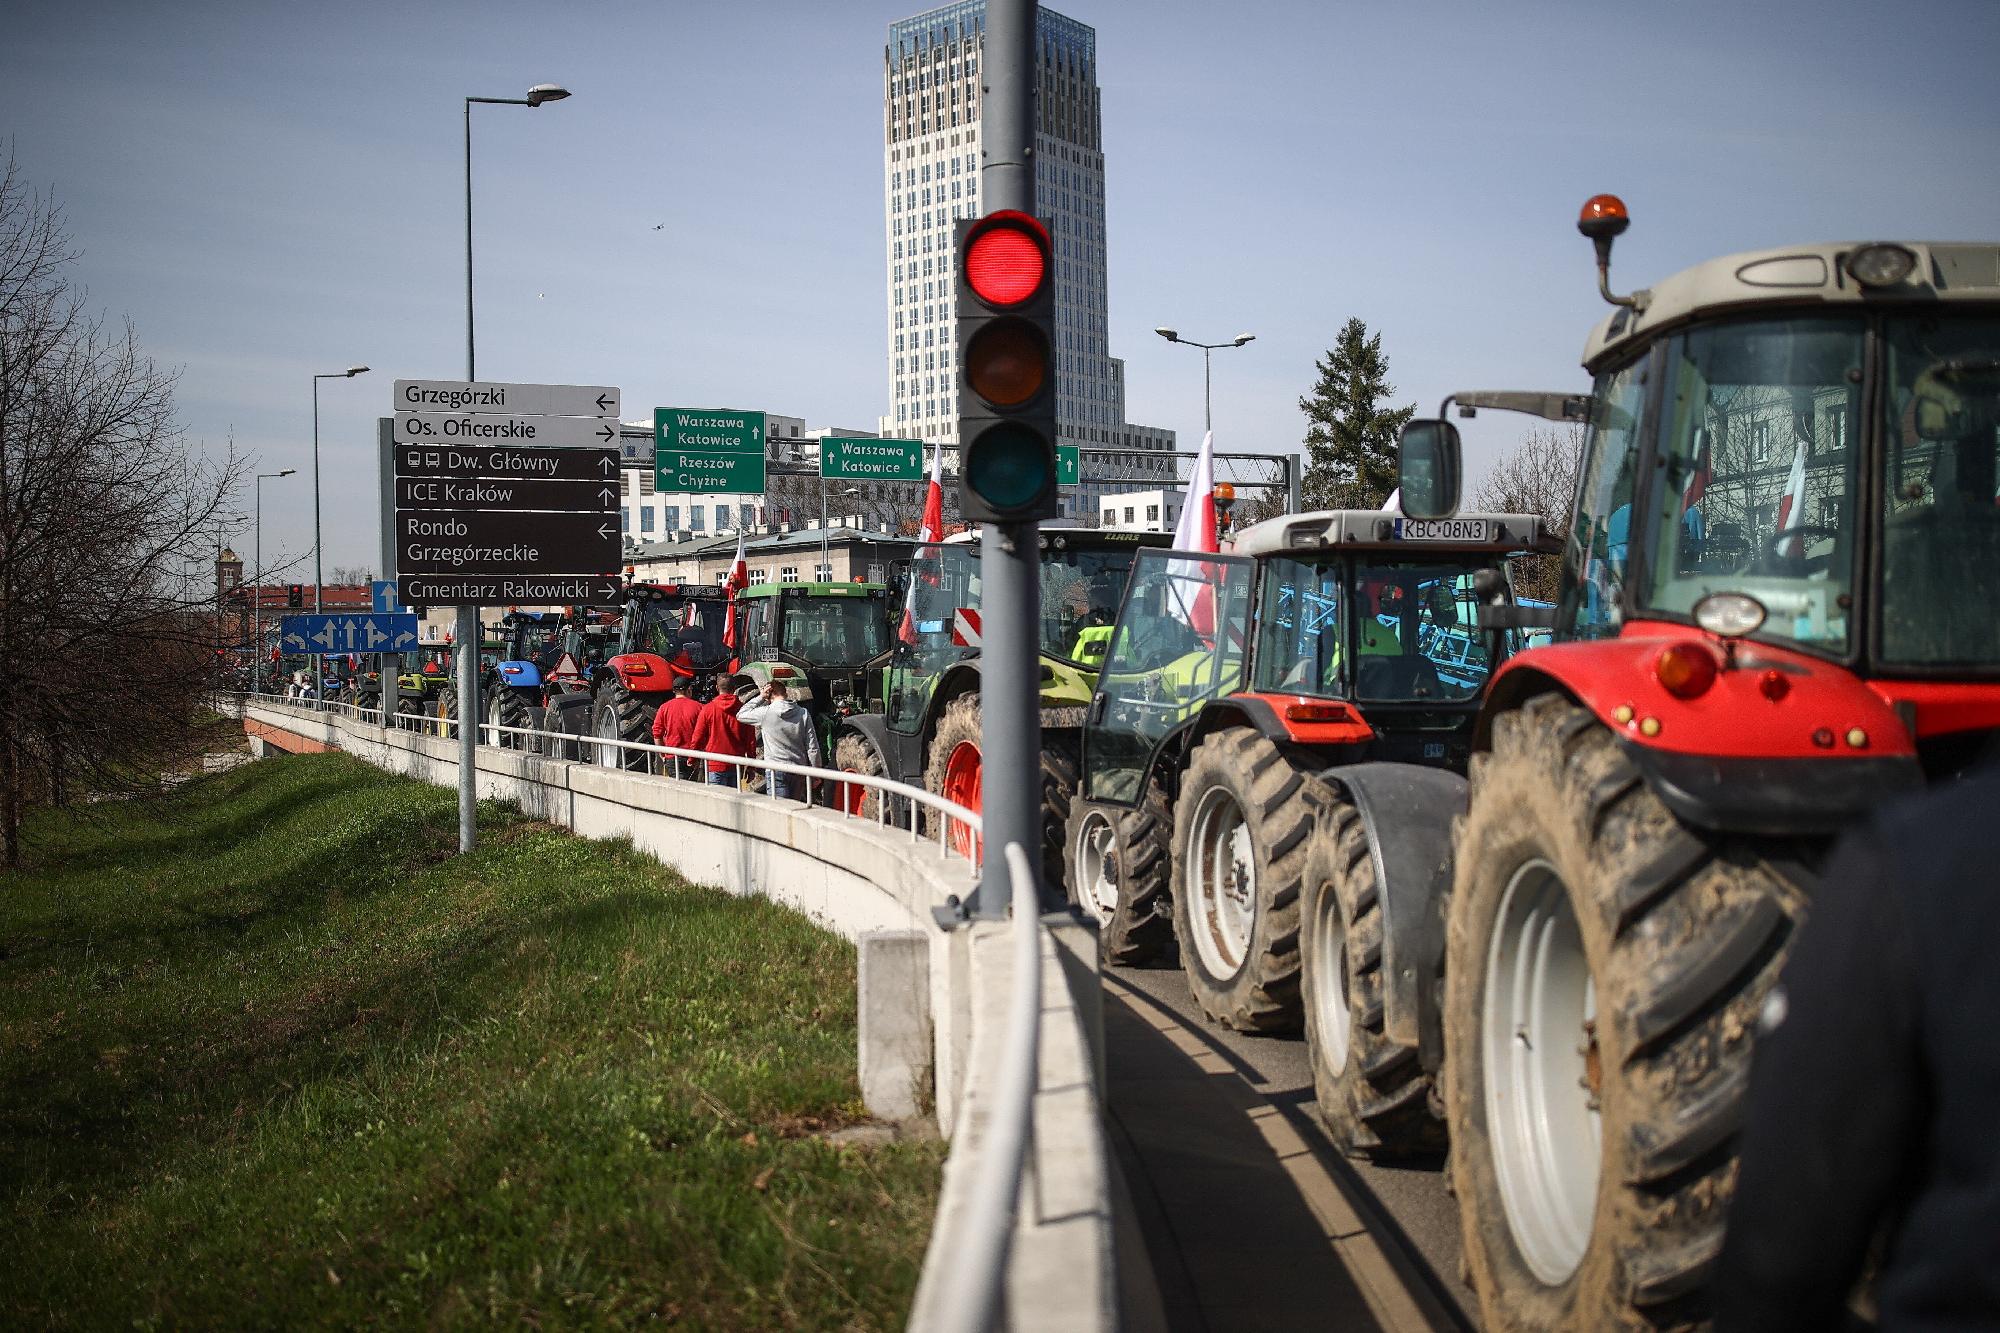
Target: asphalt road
<point>1247,1216</point>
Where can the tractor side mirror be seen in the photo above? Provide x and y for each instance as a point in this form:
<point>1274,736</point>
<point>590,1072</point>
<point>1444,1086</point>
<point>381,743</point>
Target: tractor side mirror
<point>1428,468</point>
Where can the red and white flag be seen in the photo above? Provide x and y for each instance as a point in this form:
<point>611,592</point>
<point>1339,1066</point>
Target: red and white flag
<point>1196,532</point>
<point>739,577</point>
<point>1791,509</point>
<point>931,530</point>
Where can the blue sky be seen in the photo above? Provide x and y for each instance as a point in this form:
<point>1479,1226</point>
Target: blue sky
<point>270,190</point>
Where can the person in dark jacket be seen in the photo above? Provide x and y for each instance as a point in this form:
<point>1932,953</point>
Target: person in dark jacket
<point>1874,1104</point>
<point>718,731</point>
<point>674,726</point>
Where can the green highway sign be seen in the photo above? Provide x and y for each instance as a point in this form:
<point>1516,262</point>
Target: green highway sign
<point>842,458</point>
<point>708,450</point>
<point>1069,464</point>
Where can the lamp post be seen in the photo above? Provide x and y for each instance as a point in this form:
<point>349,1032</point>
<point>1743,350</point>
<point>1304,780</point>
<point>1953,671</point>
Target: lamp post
<point>467,621</point>
<point>331,375</point>
<point>257,581</point>
<point>1207,401</point>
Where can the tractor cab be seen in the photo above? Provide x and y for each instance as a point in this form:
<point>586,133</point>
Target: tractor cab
<point>825,641</point>
<point>1791,479</point>
<point>1342,630</point>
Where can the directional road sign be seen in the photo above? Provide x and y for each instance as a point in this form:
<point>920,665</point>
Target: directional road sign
<point>706,450</point>
<point>842,458</point>
<point>382,592</point>
<point>471,428</point>
<point>588,497</point>
<point>532,590</point>
<point>489,541</point>
<point>467,461</point>
<point>350,632</point>
<point>1069,464</point>
<point>490,398</point>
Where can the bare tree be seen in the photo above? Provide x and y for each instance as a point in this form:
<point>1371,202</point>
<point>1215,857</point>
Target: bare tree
<point>108,526</point>
<point>341,576</point>
<point>1537,476</point>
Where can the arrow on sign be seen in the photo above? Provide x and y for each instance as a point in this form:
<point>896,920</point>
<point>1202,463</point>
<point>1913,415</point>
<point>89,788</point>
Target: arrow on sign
<point>402,638</point>
<point>607,434</point>
<point>603,402</point>
<point>295,642</point>
<point>607,495</point>
<point>374,636</point>
<point>606,530</point>
<point>609,466</point>
<point>325,636</point>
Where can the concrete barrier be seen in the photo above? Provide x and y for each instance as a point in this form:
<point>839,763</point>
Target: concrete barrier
<point>932,1000</point>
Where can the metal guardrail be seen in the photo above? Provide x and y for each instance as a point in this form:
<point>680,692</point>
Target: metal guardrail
<point>911,798</point>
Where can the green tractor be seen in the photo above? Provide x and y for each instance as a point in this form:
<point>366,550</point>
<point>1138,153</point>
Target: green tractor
<point>928,733</point>
<point>827,643</point>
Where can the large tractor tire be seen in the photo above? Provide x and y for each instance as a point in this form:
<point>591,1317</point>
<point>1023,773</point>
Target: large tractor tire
<point>1118,865</point>
<point>1605,969</point>
<point>854,753</point>
<point>444,713</point>
<point>622,715</point>
<point>956,772</point>
<point>563,725</point>
<point>506,708</point>
<point>1242,828</point>
<point>1373,1094</point>
<point>410,714</point>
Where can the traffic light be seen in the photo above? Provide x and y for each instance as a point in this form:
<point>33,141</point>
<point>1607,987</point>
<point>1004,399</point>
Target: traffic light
<point>295,597</point>
<point>1006,369</point>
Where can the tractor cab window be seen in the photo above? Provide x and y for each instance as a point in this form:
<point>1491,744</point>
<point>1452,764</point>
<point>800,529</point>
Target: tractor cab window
<point>942,587</point>
<point>1299,629</point>
<point>1081,590</point>
<point>834,631</point>
<point>1416,632</point>
<point>1758,474</point>
<point>1179,642</point>
<point>756,613</point>
<point>689,633</point>
<point>1941,494</point>
<point>1595,554</point>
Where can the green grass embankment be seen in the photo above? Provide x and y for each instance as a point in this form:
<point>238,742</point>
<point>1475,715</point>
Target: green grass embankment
<point>272,1054</point>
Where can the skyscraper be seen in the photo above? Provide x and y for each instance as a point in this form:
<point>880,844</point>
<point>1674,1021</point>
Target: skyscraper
<point>930,170</point>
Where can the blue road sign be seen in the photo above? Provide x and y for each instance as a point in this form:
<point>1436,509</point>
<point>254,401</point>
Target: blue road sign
<point>351,632</point>
<point>383,591</point>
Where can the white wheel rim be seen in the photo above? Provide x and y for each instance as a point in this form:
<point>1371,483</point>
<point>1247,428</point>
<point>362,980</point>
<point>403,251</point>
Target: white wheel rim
<point>1542,1118</point>
<point>1221,883</point>
<point>1326,981</point>
<point>607,730</point>
<point>1096,849</point>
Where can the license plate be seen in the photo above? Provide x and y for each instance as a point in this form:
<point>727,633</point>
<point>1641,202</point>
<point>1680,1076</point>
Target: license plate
<point>1444,530</point>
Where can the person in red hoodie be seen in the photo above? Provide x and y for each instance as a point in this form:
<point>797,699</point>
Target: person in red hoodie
<point>674,725</point>
<point>719,732</point>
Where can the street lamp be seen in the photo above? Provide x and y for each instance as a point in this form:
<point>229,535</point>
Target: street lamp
<point>257,581</point>
<point>346,374</point>
<point>467,621</point>
<point>1207,405</point>
<point>540,93</point>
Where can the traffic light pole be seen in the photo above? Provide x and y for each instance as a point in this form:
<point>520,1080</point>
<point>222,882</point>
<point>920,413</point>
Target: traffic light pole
<point>1010,735</point>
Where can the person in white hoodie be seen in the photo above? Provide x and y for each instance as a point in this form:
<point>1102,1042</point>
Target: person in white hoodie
<point>788,736</point>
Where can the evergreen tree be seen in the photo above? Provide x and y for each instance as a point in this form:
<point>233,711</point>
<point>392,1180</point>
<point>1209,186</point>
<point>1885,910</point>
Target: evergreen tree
<point>1350,437</point>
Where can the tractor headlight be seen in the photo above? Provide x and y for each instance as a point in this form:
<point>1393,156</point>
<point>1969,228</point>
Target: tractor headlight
<point>1881,265</point>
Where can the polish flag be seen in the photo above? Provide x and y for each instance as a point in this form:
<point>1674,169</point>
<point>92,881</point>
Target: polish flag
<point>931,530</point>
<point>1196,532</point>
<point>1791,509</point>
<point>739,577</point>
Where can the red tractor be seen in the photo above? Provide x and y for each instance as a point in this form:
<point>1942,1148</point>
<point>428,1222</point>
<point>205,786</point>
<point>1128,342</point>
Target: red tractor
<point>1770,622</point>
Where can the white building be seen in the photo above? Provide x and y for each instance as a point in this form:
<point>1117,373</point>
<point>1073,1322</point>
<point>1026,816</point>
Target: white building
<point>1140,511</point>
<point>931,180</point>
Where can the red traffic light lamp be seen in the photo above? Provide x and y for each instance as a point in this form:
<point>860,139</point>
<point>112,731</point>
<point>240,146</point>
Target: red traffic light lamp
<point>1006,369</point>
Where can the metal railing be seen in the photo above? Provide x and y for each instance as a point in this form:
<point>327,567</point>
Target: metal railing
<point>897,804</point>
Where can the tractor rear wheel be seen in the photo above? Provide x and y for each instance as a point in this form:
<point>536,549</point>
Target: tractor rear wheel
<point>956,771</point>
<point>1117,865</point>
<point>563,722</point>
<point>1606,967</point>
<point>444,713</point>
<point>505,708</point>
<point>622,715</point>
<point>854,753</point>
<point>1373,1094</point>
<point>1242,828</point>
